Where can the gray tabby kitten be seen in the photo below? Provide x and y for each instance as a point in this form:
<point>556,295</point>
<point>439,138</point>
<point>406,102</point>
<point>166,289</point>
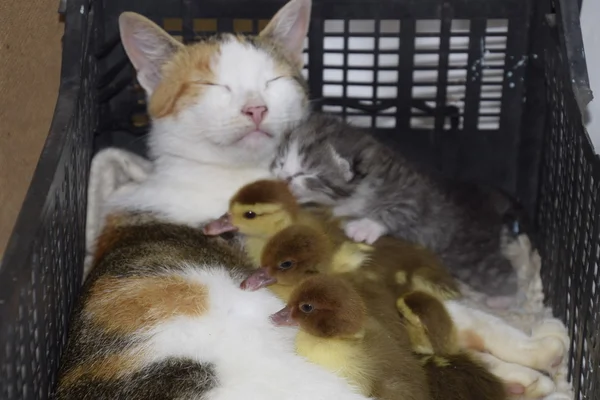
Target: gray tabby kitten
<point>327,161</point>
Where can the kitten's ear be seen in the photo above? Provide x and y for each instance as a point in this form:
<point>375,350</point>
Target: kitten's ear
<point>344,165</point>
<point>148,47</point>
<point>289,27</point>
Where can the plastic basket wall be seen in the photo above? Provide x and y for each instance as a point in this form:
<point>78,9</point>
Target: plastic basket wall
<point>568,221</point>
<point>449,75</point>
<point>445,80</point>
<point>41,271</point>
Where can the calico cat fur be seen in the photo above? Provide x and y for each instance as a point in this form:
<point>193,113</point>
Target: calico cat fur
<point>162,316</point>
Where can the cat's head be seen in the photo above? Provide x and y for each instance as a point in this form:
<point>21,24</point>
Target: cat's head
<point>315,171</point>
<point>224,100</point>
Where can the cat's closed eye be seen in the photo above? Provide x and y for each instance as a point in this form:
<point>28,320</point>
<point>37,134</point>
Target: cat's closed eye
<point>207,83</point>
<point>274,80</point>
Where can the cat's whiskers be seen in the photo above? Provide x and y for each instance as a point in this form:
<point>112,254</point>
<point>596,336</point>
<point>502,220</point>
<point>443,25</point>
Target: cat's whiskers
<point>223,129</point>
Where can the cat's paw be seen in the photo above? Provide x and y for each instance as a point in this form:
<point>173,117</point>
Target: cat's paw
<point>364,230</point>
<point>551,327</point>
<point>549,354</point>
<point>553,339</point>
<point>524,383</point>
<point>541,387</point>
<point>520,381</point>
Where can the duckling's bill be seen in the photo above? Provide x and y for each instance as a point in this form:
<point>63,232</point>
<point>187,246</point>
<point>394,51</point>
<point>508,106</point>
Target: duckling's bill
<point>283,317</point>
<point>258,280</point>
<point>219,226</point>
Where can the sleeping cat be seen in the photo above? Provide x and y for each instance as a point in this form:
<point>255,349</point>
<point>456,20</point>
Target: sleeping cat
<point>327,161</point>
<point>162,316</point>
<point>218,107</point>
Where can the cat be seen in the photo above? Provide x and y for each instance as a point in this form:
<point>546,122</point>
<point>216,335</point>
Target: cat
<point>329,162</point>
<point>162,316</point>
<point>218,109</point>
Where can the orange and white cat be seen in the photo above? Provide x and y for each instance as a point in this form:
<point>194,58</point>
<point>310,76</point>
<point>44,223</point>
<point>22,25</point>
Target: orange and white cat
<point>219,109</point>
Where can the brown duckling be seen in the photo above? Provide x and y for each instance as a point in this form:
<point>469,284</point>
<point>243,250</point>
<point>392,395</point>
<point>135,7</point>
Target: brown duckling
<point>299,251</point>
<point>453,374</point>
<point>338,332</point>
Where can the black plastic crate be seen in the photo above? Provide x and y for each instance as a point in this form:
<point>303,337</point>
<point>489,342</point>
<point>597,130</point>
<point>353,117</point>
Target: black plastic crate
<point>464,36</point>
<point>495,103</point>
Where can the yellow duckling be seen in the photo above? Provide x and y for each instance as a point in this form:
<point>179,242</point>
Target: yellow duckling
<point>452,373</point>
<point>263,208</point>
<point>338,333</point>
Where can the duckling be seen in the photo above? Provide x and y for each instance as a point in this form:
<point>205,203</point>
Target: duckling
<point>263,208</point>
<point>452,373</point>
<point>404,266</point>
<point>290,256</point>
<point>338,332</point>
<point>299,251</point>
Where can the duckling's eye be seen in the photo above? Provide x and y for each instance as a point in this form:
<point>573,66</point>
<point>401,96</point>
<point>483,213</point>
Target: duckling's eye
<point>306,308</point>
<point>249,215</point>
<point>286,265</point>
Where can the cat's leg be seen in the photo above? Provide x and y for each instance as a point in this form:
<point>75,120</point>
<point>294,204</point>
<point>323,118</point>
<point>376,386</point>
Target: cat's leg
<point>364,230</point>
<point>111,170</point>
<point>551,327</point>
<point>520,381</point>
<point>484,332</point>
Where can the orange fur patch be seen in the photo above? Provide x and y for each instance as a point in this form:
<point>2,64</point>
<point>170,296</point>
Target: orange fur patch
<point>126,305</point>
<point>471,340</point>
<point>109,368</point>
<point>182,79</point>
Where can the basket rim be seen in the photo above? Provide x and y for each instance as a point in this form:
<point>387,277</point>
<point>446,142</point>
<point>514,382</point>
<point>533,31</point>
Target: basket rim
<point>36,201</point>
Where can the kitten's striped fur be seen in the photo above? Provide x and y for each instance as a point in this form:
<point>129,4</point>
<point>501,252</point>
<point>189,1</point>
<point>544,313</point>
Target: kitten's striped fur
<point>330,162</point>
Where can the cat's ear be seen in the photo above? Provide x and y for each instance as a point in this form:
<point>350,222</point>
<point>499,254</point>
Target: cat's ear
<point>343,164</point>
<point>148,47</point>
<point>288,28</point>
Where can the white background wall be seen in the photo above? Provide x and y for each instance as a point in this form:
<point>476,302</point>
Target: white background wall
<point>590,20</point>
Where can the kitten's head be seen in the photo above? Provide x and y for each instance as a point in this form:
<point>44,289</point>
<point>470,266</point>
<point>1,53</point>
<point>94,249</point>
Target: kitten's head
<point>315,171</point>
<point>227,99</point>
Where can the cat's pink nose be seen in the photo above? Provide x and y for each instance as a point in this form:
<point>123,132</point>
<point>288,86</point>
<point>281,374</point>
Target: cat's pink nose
<point>255,112</point>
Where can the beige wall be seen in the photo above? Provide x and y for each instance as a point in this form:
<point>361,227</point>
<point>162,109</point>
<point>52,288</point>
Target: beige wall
<point>30,52</point>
